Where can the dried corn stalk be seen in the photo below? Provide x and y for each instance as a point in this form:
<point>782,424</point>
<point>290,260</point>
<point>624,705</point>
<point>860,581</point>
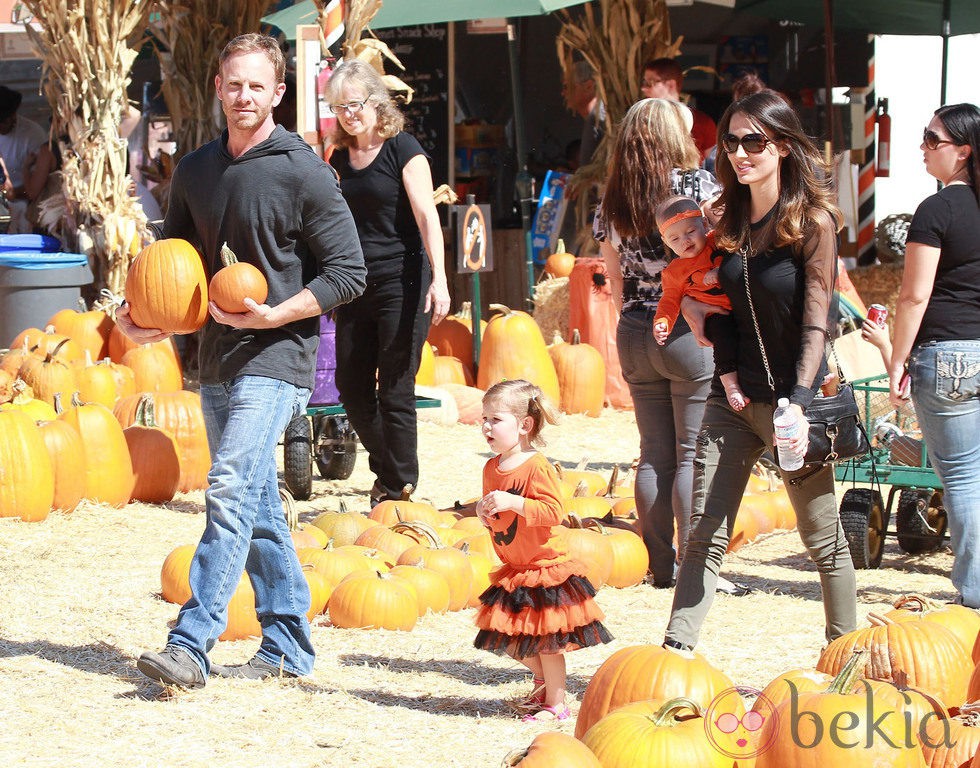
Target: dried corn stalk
<point>357,18</point>
<point>616,42</point>
<point>87,48</point>
<point>189,37</point>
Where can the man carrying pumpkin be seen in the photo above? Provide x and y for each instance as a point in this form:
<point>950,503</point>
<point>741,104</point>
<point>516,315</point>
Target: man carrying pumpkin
<point>263,191</point>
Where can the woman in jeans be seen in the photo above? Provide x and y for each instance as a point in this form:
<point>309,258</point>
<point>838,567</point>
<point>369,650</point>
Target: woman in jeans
<point>778,218</point>
<point>937,330</point>
<point>654,158</point>
<point>386,181</point>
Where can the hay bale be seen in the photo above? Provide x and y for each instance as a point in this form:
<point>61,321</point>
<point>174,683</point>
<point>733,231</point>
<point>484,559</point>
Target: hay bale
<point>878,284</point>
<point>551,300</point>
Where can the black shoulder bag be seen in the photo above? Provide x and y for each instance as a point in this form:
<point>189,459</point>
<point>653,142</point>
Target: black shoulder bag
<point>836,432</point>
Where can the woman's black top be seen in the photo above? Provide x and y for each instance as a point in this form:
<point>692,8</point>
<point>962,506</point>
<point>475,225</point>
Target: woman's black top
<point>950,220</point>
<point>379,202</point>
<point>793,294</point>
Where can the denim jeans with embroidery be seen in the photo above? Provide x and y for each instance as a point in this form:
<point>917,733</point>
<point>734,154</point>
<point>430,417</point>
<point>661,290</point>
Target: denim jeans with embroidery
<point>246,528</point>
<point>946,394</point>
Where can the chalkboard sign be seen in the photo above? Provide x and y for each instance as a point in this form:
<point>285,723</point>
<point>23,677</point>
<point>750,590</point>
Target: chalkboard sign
<point>424,52</point>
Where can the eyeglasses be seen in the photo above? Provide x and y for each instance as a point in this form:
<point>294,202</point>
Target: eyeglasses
<point>353,107</point>
<point>932,141</point>
<point>753,143</point>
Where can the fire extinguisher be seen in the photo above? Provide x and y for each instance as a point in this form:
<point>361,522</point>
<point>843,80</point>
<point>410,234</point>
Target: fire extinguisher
<point>325,118</point>
<point>884,121</point>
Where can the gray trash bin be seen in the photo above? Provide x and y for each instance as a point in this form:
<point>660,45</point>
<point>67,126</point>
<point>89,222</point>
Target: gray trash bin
<point>35,285</point>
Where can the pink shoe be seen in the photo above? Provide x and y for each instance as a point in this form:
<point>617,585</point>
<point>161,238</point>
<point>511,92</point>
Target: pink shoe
<point>546,713</point>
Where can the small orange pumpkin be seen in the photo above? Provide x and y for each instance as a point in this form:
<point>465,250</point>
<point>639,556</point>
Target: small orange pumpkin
<point>236,281</point>
<point>561,262</point>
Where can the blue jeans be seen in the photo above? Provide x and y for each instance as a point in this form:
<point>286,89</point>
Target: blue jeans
<point>669,386</point>
<point>246,528</point>
<point>946,394</point>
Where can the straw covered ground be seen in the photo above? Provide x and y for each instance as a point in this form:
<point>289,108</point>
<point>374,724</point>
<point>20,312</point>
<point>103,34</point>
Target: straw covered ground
<point>79,596</point>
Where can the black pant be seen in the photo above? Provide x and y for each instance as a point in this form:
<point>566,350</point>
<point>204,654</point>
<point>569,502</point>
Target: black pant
<point>379,345</point>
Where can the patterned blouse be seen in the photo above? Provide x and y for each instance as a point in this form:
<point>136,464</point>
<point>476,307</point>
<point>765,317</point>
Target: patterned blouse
<point>642,259</point>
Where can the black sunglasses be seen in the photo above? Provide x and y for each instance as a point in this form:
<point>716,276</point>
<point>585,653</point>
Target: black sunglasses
<point>932,141</point>
<point>753,143</point>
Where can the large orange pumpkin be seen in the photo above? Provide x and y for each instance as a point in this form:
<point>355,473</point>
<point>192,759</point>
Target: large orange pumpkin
<point>454,335</point>
<point>48,376</point>
<point>155,456</point>
<point>513,348</point>
<point>154,369</point>
<point>369,600</point>
<point>180,414</point>
<point>961,621</point>
<point>643,672</point>
<point>167,288</point>
<point>920,654</point>
<point>97,382</point>
<point>68,460</point>
<point>581,375</point>
<point>235,282</point>
<point>175,576</point>
<point>840,728</point>
<point>90,329</point>
<point>26,474</point>
<point>109,477</point>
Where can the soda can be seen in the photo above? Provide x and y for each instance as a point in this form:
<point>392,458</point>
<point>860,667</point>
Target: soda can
<point>878,314</point>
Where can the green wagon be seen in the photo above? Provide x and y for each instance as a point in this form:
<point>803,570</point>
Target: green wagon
<point>899,459</point>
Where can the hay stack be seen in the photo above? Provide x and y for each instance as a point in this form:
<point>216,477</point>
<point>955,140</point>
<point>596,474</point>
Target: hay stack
<point>551,298</point>
<point>878,284</point>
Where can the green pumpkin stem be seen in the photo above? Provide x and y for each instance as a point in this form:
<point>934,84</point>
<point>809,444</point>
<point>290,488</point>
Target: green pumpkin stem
<point>850,673</point>
<point>145,416</point>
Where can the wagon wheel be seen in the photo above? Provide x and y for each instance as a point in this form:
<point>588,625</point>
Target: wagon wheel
<point>297,458</point>
<point>334,447</point>
<point>865,520</point>
<point>920,520</point>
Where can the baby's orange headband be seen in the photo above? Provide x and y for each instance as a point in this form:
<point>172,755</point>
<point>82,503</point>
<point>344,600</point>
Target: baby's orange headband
<point>690,214</point>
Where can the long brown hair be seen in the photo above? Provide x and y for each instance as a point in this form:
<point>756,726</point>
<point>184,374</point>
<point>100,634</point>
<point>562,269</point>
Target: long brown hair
<point>391,121</point>
<point>652,140</point>
<point>804,176</point>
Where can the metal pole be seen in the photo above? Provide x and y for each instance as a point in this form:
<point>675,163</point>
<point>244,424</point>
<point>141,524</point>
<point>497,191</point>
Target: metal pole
<point>523,183</point>
<point>945,33</point>
<point>476,317</point>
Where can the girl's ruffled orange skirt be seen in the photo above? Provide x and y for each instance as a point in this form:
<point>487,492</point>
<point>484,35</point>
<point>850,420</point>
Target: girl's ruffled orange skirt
<point>532,610</point>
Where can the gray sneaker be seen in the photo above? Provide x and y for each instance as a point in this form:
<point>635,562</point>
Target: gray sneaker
<point>254,669</point>
<point>173,666</point>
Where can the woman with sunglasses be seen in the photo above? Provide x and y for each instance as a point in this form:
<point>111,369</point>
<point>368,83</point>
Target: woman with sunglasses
<point>937,330</point>
<point>778,219</point>
<point>654,158</point>
<point>386,181</point>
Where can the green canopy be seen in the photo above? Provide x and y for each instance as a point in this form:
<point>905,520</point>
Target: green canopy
<point>403,13</point>
<point>881,17</point>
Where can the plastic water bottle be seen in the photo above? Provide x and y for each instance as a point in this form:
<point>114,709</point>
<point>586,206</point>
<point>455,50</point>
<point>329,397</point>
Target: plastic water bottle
<point>785,425</point>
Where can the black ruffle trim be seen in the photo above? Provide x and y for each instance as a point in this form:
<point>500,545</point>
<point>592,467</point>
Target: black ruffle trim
<point>573,591</point>
<point>522,646</point>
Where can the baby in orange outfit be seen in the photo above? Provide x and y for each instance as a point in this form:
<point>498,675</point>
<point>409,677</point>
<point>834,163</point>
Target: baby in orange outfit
<point>694,273</point>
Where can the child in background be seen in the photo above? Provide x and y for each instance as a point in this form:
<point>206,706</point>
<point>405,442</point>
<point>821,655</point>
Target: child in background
<point>695,273</point>
<point>539,603</point>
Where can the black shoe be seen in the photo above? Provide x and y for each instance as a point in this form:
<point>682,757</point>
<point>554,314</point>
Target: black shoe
<point>173,666</point>
<point>254,669</point>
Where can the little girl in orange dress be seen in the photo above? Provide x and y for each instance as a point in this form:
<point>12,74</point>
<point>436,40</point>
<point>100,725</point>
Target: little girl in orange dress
<point>539,603</point>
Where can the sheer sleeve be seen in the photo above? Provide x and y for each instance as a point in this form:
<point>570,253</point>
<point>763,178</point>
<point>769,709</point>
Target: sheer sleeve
<point>820,272</point>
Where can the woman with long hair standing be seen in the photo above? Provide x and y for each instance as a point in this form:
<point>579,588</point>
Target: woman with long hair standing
<point>779,228</point>
<point>654,157</point>
<point>386,181</point>
<point>937,330</point>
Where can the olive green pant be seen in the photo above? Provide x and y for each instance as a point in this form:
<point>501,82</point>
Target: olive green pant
<point>728,445</point>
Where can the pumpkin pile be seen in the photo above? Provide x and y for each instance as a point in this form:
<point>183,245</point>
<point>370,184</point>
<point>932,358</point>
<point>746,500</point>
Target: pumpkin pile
<point>87,390</point>
<point>893,694</point>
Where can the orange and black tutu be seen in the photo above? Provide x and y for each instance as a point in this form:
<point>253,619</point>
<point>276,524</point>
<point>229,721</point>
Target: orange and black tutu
<point>532,610</point>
